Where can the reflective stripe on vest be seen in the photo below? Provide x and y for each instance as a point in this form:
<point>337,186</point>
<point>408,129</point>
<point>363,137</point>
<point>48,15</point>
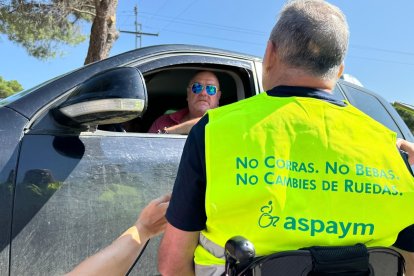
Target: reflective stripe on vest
<point>209,270</point>
<point>293,172</point>
<point>216,251</point>
<point>213,248</point>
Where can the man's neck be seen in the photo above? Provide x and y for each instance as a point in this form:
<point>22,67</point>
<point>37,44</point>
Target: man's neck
<point>282,74</point>
<point>294,77</point>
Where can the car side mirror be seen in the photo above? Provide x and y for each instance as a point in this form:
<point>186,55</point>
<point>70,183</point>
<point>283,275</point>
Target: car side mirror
<point>113,96</point>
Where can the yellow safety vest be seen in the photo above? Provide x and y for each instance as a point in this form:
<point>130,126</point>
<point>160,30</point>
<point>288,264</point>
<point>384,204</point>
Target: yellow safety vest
<point>291,172</point>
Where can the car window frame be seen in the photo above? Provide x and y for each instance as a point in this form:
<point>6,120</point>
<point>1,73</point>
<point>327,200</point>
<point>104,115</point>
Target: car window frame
<point>43,121</point>
<point>200,61</point>
<point>404,132</point>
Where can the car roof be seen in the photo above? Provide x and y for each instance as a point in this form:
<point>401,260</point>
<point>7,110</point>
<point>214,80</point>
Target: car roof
<point>193,48</point>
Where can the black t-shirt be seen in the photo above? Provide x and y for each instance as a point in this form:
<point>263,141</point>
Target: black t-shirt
<point>186,210</point>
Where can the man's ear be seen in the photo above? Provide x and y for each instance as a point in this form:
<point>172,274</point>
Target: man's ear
<point>341,70</point>
<point>269,55</point>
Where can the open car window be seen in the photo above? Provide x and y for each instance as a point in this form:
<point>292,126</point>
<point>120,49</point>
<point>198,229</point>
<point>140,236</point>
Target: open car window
<point>167,91</point>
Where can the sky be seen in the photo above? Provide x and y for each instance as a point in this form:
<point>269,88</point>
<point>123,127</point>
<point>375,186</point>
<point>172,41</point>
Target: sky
<point>380,55</point>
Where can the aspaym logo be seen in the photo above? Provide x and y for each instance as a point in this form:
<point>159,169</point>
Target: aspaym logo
<point>313,226</point>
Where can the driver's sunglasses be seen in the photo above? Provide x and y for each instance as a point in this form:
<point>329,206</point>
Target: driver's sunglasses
<point>197,88</point>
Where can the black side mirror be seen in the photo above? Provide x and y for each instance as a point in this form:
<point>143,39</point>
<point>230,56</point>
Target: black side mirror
<point>110,97</point>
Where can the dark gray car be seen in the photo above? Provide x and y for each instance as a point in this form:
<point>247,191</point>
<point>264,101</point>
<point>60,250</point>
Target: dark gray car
<point>75,172</point>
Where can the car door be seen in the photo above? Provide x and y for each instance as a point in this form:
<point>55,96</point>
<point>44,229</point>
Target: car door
<point>77,190</point>
<point>10,125</point>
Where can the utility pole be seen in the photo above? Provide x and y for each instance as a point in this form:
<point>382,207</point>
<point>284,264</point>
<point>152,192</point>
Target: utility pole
<point>136,27</point>
<point>138,30</point>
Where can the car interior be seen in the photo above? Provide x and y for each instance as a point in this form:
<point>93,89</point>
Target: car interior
<point>167,88</point>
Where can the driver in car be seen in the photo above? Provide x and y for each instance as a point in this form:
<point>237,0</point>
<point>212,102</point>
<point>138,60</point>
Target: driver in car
<point>203,93</point>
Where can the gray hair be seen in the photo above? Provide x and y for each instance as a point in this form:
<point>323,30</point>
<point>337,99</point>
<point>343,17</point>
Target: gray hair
<point>311,35</point>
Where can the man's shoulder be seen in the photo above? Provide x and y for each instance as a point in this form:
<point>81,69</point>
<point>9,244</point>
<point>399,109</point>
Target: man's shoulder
<point>238,104</point>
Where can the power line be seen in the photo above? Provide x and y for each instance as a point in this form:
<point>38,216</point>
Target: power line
<point>381,60</point>
<point>179,14</point>
<point>260,44</point>
<point>381,50</point>
<point>215,37</point>
<point>250,31</point>
<point>204,24</point>
<point>129,13</point>
<point>159,9</point>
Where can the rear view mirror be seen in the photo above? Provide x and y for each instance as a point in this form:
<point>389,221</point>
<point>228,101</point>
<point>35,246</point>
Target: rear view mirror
<point>110,97</point>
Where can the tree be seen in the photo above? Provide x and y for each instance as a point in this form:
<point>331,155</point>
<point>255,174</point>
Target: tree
<point>42,26</point>
<point>103,31</point>
<point>406,114</point>
<point>8,88</point>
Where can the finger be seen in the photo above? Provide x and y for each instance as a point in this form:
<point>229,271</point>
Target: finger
<point>165,203</point>
<point>162,199</point>
<point>163,206</point>
<point>399,142</point>
<point>161,209</point>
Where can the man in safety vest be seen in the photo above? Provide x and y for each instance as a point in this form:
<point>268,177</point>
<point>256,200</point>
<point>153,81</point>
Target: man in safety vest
<point>292,167</point>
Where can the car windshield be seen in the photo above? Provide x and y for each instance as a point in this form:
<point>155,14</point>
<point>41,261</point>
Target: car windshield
<point>21,94</point>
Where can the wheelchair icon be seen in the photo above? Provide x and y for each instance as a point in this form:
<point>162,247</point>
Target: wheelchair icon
<point>267,219</point>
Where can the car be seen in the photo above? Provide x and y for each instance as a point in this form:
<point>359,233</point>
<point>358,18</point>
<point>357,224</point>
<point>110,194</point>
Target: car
<point>77,164</point>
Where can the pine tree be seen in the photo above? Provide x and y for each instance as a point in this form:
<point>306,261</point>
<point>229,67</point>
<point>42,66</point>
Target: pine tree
<point>41,27</point>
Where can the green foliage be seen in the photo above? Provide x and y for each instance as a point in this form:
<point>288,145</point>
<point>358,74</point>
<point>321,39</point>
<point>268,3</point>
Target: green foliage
<point>8,88</point>
<point>407,115</point>
<point>41,27</point>
<point>114,191</point>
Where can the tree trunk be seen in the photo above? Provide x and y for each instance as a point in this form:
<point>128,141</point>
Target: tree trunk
<point>103,30</point>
